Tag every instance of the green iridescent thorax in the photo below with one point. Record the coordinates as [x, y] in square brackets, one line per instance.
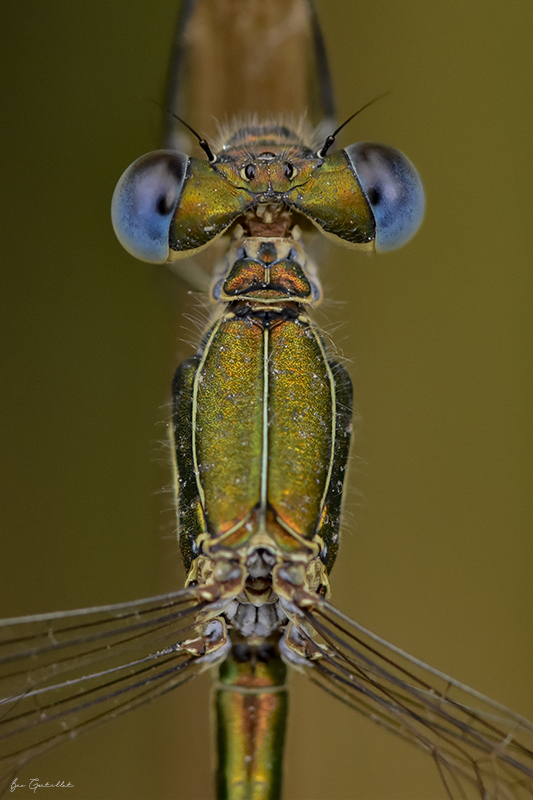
[262, 415]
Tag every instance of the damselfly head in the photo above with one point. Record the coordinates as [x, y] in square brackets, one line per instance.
[168, 205]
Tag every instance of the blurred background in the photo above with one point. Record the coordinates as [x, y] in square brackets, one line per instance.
[437, 551]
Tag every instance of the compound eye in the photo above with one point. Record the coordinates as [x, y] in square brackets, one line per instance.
[144, 203]
[393, 189]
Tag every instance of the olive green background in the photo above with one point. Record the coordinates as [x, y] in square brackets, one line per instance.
[437, 551]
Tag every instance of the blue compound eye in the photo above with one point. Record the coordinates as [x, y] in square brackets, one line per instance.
[144, 202]
[393, 189]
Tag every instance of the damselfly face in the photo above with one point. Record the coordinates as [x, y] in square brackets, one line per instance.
[435, 552]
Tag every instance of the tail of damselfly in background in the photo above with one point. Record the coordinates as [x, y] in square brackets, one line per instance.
[239, 60]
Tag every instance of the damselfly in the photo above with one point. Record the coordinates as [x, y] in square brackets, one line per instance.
[428, 267]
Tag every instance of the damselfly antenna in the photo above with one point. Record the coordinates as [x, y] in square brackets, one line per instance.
[331, 138]
[204, 144]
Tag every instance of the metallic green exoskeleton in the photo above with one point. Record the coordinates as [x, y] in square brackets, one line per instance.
[262, 415]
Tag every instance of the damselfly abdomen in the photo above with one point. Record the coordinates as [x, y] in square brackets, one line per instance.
[389, 323]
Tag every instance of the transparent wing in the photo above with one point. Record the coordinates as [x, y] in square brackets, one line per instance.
[480, 748]
[66, 672]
